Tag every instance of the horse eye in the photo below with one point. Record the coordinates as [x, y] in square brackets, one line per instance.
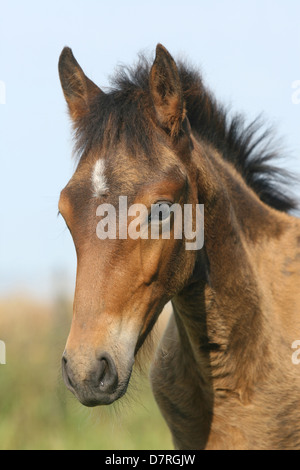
[159, 212]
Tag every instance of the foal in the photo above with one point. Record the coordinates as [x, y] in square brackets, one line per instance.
[223, 374]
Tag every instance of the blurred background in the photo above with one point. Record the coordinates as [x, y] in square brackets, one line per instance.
[249, 55]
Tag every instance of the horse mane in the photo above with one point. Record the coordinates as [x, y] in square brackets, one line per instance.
[247, 147]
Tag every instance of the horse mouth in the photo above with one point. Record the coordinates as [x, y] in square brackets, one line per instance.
[94, 398]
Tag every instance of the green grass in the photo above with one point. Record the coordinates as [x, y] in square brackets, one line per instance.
[36, 410]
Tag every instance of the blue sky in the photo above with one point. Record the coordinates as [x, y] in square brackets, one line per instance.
[249, 54]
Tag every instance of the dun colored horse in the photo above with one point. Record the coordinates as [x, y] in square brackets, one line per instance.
[223, 375]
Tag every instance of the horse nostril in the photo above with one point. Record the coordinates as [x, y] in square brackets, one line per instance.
[103, 371]
[65, 373]
[107, 375]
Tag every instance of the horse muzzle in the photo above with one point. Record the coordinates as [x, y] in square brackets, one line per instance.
[95, 382]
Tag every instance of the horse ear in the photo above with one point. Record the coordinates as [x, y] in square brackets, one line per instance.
[166, 91]
[78, 89]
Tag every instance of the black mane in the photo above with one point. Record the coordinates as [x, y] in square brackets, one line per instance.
[246, 147]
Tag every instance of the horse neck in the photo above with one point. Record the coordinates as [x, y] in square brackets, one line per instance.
[220, 314]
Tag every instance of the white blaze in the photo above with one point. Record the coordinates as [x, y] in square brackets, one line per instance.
[98, 179]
